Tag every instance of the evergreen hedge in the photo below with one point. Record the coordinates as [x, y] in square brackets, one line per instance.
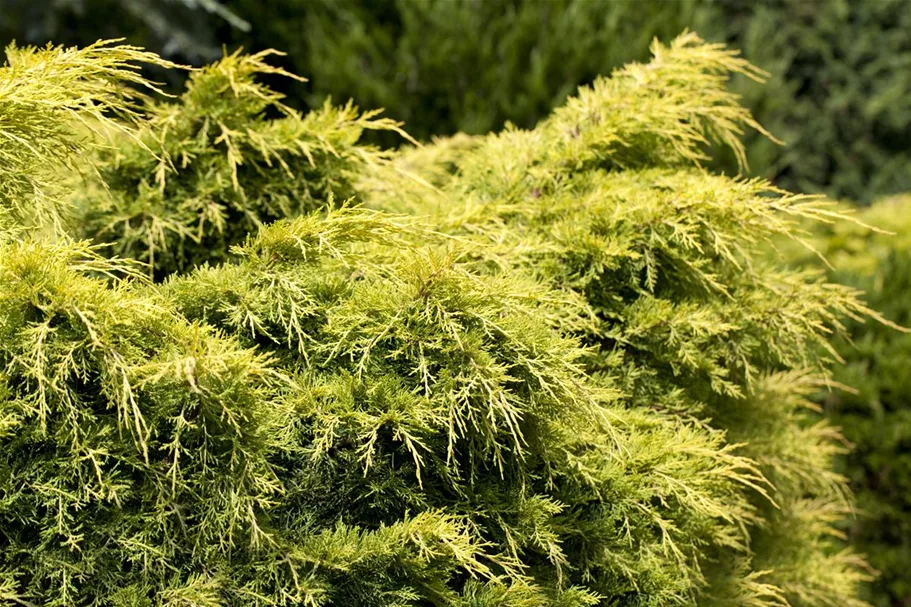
[546, 367]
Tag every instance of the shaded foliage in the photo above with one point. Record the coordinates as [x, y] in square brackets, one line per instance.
[834, 98]
[875, 413]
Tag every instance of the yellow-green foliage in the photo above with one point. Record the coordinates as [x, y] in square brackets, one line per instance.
[573, 381]
[133, 443]
[424, 386]
[605, 199]
[44, 95]
[224, 159]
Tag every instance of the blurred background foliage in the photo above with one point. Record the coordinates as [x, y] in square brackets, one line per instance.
[840, 69]
[838, 90]
[876, 414]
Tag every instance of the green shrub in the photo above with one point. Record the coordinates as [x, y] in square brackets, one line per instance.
[134, 444]
[572, 381]
[427, 388]
[874, 412]
[602, 200]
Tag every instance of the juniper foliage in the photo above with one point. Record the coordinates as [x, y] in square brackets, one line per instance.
[223, 160]
[606, 199]
[134, 446]
[572, 381]
[44, 94]
[425, 387]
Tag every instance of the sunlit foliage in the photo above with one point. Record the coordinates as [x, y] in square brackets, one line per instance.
[547, 367]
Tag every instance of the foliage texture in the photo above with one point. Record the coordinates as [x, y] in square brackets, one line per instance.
[548, 367]
[201, 173]
[45, 94]
[605, 199]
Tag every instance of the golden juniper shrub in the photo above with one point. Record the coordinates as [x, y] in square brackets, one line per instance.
[423, 386]
[606, 199]
[573, 381]
[225, 158]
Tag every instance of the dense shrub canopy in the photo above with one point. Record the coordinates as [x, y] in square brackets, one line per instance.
[134, 444]
[426, 387]
[690, 319]
[571, 377]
